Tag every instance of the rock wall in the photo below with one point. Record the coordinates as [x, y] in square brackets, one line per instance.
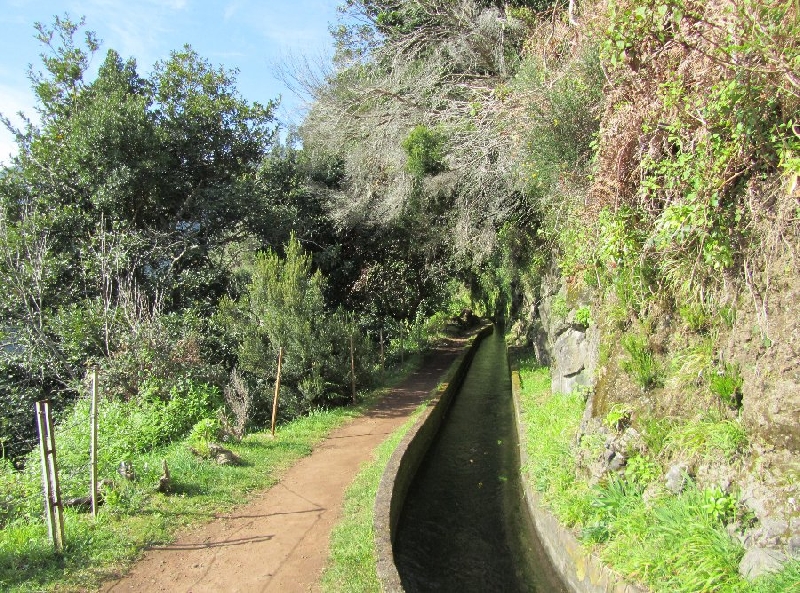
[765, 343]
[762, 342]
[560, 337]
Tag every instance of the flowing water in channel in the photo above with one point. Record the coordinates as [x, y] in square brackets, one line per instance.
[463, 527]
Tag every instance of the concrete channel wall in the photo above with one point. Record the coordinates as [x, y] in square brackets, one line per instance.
[407, 458]
[581, 571]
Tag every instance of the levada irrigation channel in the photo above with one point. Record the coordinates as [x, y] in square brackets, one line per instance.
[463, 526]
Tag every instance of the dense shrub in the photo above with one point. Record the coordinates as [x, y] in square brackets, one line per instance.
[129, 428]
[698, 139]
[425, 150]
[283, 307]
[126, 429]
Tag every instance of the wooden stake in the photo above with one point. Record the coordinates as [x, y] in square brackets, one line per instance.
[53, 507]
[402, 345]
[93, 444]
[47, 483]
[277, 388]
[353, 367]
[383, 360]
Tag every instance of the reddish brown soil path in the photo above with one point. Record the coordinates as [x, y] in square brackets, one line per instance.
[279, 541]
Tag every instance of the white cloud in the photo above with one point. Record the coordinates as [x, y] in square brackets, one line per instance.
[12, 101]
[139, 29]
[304, 26]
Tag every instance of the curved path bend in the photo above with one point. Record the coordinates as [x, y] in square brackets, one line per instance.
[279, 540]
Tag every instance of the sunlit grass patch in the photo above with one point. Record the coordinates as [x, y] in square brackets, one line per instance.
[670, 543]
[674, 545]
[707, 436]
[135, 516]
[551, 423]
[352, 559]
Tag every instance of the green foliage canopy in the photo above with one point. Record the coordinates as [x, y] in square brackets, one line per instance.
[283, 306]
[119, 206]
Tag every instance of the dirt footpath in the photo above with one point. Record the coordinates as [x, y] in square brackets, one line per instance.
[279, 541]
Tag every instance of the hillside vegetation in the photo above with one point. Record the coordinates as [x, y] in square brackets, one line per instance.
[618, 179]
[623, 175]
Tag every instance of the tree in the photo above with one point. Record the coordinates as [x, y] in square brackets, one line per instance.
[120, 204]
[409, 66]
[283, 306]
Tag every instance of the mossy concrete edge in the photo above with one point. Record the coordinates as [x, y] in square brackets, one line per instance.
[580, 570]
[406, 459]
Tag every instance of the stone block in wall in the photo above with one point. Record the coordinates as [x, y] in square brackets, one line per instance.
[537, 336]
[574, 360]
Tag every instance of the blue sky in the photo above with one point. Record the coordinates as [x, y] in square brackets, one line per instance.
[250, 35]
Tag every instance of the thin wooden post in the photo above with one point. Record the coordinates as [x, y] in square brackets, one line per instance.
[402, 345]
[277, 388]
[53, 507]
[93, 444]
[383, 360]
[353, 367]
[47, 483]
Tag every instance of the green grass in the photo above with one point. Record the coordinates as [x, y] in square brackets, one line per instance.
[551, 422]
[707, 437]
[786, 580]
[352, 558]
[138, 517]
[641, 364]
[671, 543]
[135, 516]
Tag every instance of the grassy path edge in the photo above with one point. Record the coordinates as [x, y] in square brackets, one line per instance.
[139, 518]
[354, 558]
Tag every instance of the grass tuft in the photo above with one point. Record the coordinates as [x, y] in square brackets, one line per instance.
[352, 558]
[641, 364]
[669, 543]
[786, 580]
[674, 545]
[707, 437]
